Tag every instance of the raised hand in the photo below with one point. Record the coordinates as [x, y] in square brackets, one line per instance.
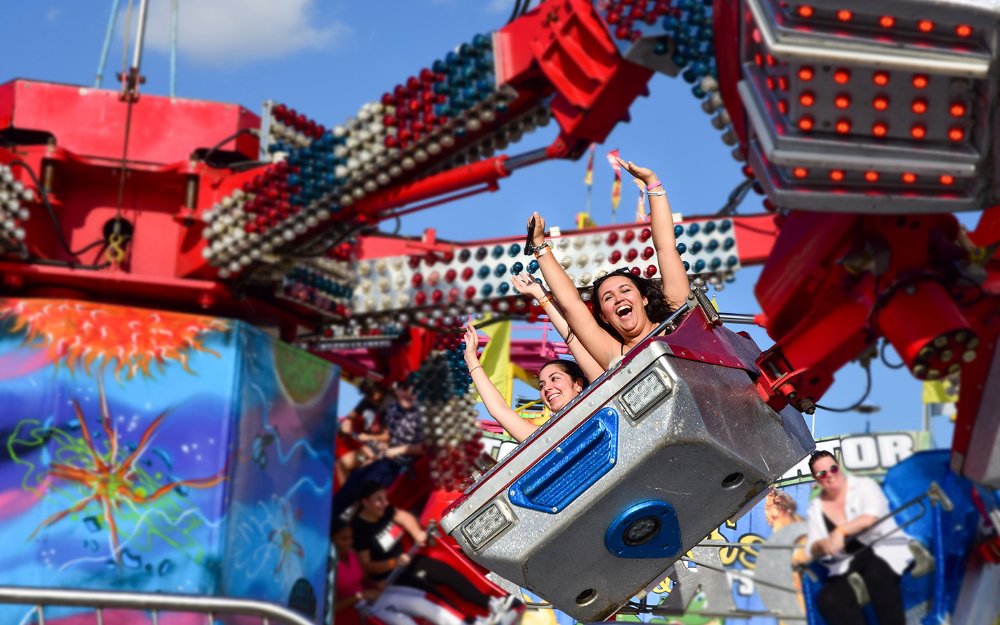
[471, 345]
[642, 173]
[538, 231]
[524, 284]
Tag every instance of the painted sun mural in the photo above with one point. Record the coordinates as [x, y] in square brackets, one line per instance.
[127, 459]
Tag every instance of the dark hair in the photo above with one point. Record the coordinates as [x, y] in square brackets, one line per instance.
[369, 488]
[367, 387]
[656, 307]
[337, 525]
[816, 455]
[570, 368]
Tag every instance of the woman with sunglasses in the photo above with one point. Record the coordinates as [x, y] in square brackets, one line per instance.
[626, 307]
[845, 535]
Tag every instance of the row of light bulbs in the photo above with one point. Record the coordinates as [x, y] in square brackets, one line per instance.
[15, 197]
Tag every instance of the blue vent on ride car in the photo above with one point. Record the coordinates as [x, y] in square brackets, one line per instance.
[572, 467]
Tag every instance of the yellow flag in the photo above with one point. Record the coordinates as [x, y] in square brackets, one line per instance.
[496, 359]
[583, 221]
[588, 178]
[938, 393]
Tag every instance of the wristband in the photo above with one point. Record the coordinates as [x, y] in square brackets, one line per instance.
[542, 250]
[654, 186]
[662, 193]
[546, 299]
[474, 368]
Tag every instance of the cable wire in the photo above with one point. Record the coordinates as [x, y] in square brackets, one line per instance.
[516, 12]
[885, 361]
[736, 197]
[857, 404]
[207, 158]
[56, 222]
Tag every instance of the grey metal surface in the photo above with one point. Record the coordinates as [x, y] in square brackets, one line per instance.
[794, 44]
[711, 426]
[151, 602]
[955, 71]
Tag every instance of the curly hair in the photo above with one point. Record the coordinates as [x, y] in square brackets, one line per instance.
[783, 502]
[656, 306]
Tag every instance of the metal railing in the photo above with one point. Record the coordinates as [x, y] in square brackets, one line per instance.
[153, 603]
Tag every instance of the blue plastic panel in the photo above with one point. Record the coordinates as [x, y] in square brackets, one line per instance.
[572, 467]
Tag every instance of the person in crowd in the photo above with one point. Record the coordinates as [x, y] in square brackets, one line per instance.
[349, 588]
[404, 423]
[558, 380]
[526, 285]
[847, 533]
[780, 510]
[626, 307]
[378, 530]
[362, 431]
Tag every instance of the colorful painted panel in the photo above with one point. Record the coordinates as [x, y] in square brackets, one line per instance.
[153, 451]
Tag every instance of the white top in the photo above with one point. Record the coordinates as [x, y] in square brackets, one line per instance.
[864, 496]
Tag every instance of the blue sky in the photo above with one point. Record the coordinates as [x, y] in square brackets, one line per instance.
[327, 58]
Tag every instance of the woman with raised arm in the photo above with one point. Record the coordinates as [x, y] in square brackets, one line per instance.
[527, 285]
[558, 380]
[626, 307]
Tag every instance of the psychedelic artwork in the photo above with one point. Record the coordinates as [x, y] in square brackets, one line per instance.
[159, 452]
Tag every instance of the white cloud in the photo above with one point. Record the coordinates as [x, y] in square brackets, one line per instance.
[230, 32]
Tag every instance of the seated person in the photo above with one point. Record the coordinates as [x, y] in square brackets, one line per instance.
[378, 530]
[558, 380]
[362, 430]
[349, 587]
[404, 423]
[626, 307]
[842, 536]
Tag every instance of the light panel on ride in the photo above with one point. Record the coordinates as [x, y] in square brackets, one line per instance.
[871, 106]
[656, 454]
[14, 201]
[478, 275]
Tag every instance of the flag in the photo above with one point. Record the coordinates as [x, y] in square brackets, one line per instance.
[583, 221]
[939, 393]
[616, 186]
[496, 359]
[588, 179]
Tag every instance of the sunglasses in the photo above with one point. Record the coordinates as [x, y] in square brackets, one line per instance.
[833, 470]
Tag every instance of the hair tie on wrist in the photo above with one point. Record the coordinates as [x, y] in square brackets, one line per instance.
[654, 186]
[474, 368]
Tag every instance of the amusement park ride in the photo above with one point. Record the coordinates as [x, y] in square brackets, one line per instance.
[867, 124]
